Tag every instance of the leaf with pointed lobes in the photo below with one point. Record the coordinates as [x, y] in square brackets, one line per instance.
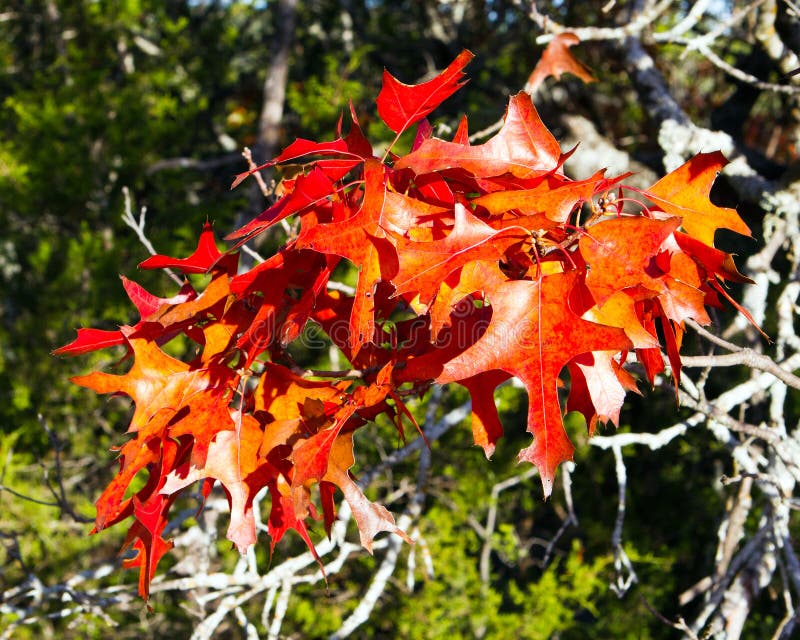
[145, 450]
[371, 518]
[205, 256]
[144, 537]
[424, 265]
[171, 398]
[213, 299]
[232, 459]
[533, 334]
[147, 304]
[155, 381]
[348, 151]
[712, 260]
[424, 131]
[633, 253]
[309, 190]
[89, 340]
[598, 387]
[619, 310]
[282, 517]
[620, 252]
[486, 426]
[281, 394]
[523, 147]
[685, 193]
[311, 455]
[556, 60]
[149, 509]
[362, 239]
[401, 105]
[555, 199]
[455, 297]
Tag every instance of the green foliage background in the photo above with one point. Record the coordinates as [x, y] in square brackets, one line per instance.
[92, 95]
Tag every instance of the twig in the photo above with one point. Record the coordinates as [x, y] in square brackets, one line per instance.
[247, 154]
[281, 606]
[376, 588]
[571, 518]
[679, 623]
[452, 418]
[621, 561]
[747, 78]
[138, 227]
[193, 163]
[27, 498]
[61, 495]
[720, 342]
[651, 440]
[252, 253]
[748, 358]
[491, 519]
[634, 26]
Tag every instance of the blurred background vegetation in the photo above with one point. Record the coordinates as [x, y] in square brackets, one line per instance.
[159, 97]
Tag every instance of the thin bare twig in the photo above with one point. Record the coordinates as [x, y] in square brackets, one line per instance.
[138, 227]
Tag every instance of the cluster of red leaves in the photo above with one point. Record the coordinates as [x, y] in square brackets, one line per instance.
[476, 263]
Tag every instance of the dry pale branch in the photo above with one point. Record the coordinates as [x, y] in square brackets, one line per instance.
[138, 226]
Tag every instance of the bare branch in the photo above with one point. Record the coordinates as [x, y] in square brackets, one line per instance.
[194, 163]
[748, 358]
[138, 227]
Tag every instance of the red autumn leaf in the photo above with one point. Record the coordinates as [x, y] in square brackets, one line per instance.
[486, 426]
[147, 304]
[533, 334]
[282, 517]
[620, 252]
[149, 510]
[371, 518]
[630, 253]
[349, 151]
[713, 260]
[477, 277]
[523, 147]
[204, 257]
[311, 455]
[308, 191]
[685, 193]
[619, 310]
[362, 240]
[556, 60]
[232, 460]
[145, 538]
[163, 389]
[424, 265]
[401, 105]
[555, 202]
[156, 381]
[598, 387]
[89, 340]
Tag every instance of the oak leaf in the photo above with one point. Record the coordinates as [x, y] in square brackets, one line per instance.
[533, 334]
[523, 147]
[685, 193]
[556, 60]
[401, 105]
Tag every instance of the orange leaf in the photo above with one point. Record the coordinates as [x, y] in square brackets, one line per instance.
[523, 147]
[558, 59]
[533, 334]
[423, 265]
[685, 193]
